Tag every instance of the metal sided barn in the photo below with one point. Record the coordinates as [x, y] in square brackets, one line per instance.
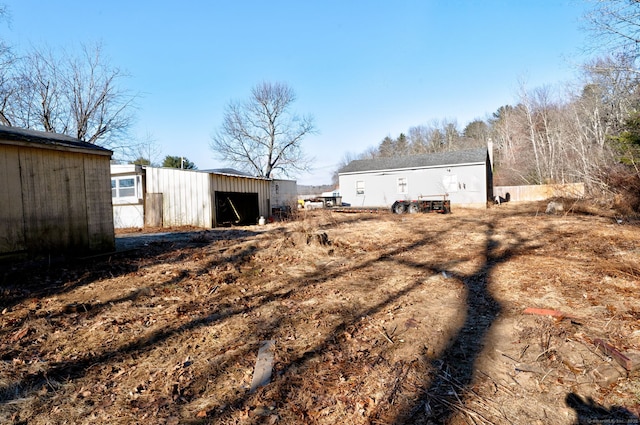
[176, 197]
[54, 194]
[465, 177]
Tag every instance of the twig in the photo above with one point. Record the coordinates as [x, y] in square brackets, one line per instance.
[605, 326]
[546, 374]
[524, 350]
[544, 352]
[383, 332]
[509, 357]
[498, 384]
[460, 408]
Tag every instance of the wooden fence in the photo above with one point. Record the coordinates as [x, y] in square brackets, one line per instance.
[539, 192]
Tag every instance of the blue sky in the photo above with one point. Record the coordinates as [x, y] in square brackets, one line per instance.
[363, 69]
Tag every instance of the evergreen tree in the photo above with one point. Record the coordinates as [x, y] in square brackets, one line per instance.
[178, 162]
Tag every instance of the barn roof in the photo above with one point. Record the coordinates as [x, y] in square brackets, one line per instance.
[24, 137]
[439, 159]
[228, 171]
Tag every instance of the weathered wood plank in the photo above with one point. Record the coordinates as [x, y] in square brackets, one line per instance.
[12, 237]
[99, 206]
[264, 365]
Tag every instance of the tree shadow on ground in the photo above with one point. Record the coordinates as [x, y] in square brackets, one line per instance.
[453, 370]
[43, 276]
[591, 413]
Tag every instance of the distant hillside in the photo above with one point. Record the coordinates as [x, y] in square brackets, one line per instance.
[314, 190]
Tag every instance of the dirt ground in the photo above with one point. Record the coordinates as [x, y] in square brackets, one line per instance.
[374, 318]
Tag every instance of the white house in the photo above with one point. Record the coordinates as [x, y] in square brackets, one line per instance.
[464, 177]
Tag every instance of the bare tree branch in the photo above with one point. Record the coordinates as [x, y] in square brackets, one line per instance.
[75, 95]
[262, 134]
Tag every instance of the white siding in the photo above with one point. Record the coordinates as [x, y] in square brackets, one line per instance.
[128, 216]
[186, 196]
[189, 195]
[284, 193]
[464, 185]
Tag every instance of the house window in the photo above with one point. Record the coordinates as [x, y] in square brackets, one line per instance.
[450, 183]
[123, 187]
[360, 187]
[402, 185]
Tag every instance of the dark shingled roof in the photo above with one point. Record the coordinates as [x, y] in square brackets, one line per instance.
[417, 161]
[47, 139]
[230, 171]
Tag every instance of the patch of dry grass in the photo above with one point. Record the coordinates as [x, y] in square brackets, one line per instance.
[377, 319]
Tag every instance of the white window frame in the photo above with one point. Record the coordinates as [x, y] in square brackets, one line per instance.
[403, 185]
[450, 183]
[131, 193]
[359, 187]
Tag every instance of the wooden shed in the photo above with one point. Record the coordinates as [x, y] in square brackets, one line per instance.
[207, 199]
[55, 194]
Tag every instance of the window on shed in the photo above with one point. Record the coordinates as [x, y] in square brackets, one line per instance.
[450, 183]
[124, 187]
[360, 187]
[127, 187]
[402, 185]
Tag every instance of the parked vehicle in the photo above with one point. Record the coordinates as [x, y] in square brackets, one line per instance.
[422, 204]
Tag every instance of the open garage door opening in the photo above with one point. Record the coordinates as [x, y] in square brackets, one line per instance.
[235, 208]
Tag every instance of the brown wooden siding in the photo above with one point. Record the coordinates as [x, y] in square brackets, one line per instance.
[12, 235]
[100, 226]
[64, 200]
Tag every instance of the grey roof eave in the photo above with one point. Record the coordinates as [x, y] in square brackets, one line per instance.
[387, 170]
[32, 138]
[423, 161]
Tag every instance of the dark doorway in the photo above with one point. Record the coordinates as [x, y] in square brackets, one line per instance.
[236, 208]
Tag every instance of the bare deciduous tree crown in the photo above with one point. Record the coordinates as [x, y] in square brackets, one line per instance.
[262, 134]
[78, 95]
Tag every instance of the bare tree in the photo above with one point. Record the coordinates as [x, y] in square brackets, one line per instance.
[145, 152]
[615, 26]
[7, 79]
[262, 134]
[8, 86]
[418, 139]
[39, 100]
[347, 158]
[75, 95]
[100, 109]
